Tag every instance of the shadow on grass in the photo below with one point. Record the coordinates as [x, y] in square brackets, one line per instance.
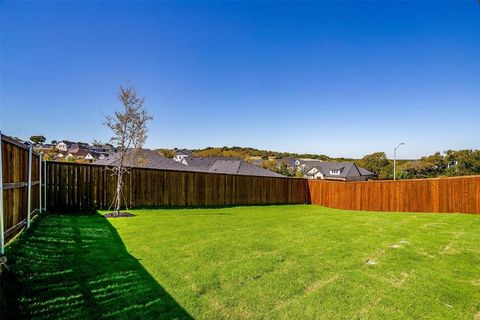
[77, 267]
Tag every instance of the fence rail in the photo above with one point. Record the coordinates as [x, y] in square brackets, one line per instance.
[458, 194]
[72, 186]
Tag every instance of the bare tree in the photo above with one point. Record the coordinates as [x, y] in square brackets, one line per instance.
[129, 127]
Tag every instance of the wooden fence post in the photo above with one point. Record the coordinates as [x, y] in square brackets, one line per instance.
[29, 203]
[2, 236]
[40, 182]
[45, 186]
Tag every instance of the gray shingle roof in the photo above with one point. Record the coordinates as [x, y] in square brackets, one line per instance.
[251, 170]
[289, 161]
[225, 165]
[309, 164]
[228, 165]
[203, 163]
[347, 169]
[365, 172]
[146, 158]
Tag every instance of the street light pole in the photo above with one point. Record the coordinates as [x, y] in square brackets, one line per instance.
[395, 160]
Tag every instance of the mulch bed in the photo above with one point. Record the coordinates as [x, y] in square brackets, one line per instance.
[119, 215]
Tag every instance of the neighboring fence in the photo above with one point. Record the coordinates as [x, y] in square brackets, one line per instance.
[72, 186]
[16, 189]
[458, 194]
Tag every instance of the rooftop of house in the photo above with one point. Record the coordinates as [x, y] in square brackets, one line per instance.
[338, 169]
[183, 152]
[225, 166]
[204, 163]
[66, 142]
[365, 172]
[82, 153]
[252, 170]
[145, 158]
[241, 167]
[290, 162]
[153, 159]
[309, 164]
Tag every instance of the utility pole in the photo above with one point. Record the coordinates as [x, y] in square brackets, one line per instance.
[395, 160]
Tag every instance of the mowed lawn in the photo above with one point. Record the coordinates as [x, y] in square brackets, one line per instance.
[272, 262]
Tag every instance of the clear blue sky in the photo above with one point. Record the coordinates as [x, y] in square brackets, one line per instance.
[337, 78]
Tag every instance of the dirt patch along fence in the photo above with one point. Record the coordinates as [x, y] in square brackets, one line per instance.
[72, 186]
[20, 192]
[457, 194]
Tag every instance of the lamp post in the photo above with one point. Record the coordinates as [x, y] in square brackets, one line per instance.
[395, 160]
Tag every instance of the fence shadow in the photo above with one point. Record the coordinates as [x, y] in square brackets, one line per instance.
[77, 267]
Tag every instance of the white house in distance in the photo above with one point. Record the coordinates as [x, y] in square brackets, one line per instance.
[181, 155]
[343, 171]
[77, 151]
[81, 154]
[326, 170]
[62, 146]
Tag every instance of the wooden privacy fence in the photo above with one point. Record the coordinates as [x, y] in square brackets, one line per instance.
[458, 194]
[20, 192]
[73, 186]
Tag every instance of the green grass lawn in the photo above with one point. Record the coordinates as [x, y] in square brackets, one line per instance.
[273, 262]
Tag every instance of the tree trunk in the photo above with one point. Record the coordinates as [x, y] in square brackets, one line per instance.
[118, 193]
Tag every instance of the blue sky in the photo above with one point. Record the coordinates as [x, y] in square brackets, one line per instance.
[337, 78]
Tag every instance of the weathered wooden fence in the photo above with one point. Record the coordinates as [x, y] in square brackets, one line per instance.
[72, 186]
[16, 188]
[458, 194]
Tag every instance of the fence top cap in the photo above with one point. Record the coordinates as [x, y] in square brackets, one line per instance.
[24, 145]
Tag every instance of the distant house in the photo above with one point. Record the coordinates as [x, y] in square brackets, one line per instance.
[44, 147]
[60, 155]
[304, 165]
[62, 146]
[226, 165]
[242, 168]
[73, 148]
[144, 158]
[103, 148]
[298, 164]
[86, 154]
[343, 171]
[80, 154]
[83, 145]
[181, 154]
[153, 159]
[289, 162]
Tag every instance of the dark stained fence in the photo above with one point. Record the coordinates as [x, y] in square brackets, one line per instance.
[15, 185]
[72, 186]
[456, 195]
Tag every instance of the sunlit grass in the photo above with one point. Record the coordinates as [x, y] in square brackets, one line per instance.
[277, 262]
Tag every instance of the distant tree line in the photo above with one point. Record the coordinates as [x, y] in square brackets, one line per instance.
[246, 153]
[449, 163]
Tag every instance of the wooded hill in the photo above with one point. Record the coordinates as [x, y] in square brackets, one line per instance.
[248, 153]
